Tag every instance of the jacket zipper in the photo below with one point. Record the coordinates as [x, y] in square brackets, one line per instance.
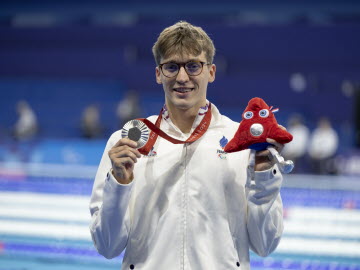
[184, 206]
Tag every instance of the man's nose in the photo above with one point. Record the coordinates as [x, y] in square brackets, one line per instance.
[182, 75]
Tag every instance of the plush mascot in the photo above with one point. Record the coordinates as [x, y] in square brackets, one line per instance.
[258, 123]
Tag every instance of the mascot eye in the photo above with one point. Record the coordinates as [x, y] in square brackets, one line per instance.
[248, 115]
[264, 113]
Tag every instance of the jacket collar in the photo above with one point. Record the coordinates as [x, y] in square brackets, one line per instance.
[170, 128]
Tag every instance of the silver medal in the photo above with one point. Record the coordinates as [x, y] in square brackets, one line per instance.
[136, 131]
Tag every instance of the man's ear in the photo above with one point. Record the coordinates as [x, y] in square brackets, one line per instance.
[212, 73]
[158, 75]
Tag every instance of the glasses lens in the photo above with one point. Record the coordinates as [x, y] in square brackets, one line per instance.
[193, 68]
[170, 69]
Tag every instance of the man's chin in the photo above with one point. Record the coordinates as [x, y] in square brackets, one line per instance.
[180, 103]
[183, 104]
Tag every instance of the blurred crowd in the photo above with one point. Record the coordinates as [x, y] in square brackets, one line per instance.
[312, 151]
[26, 127]
[127, 109]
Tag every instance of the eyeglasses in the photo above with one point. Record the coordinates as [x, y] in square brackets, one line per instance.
[192, 68]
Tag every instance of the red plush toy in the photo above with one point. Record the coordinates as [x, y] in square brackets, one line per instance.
[258, 124]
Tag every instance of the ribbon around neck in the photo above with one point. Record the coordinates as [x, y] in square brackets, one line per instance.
[156, 131]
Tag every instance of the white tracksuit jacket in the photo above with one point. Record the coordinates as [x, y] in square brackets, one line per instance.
[190, 206]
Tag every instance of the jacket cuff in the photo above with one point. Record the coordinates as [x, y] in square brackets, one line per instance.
[265, 187]
[267, 174]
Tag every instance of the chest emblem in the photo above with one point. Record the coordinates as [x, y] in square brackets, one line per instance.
[220, 152]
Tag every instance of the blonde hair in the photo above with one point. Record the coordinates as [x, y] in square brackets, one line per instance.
[183, 38]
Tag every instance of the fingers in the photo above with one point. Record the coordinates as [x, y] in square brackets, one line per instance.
[126, 141]
[121, 165]
[123, 156]
[263, 156]
[123, 170]
[275, 143]
[125, 144]
[278, 146]
[263, 161]
[123, 151]
[282, 127]
[263, 153]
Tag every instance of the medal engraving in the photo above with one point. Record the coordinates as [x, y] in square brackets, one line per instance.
[136, 131]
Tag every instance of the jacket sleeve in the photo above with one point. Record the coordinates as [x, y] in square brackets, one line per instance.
[109, 226]
[264, 211]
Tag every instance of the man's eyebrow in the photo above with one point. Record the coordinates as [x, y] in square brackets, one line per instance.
[190, 60]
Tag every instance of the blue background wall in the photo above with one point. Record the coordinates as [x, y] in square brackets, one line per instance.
[61, 70]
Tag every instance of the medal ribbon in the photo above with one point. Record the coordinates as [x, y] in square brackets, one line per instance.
[156, 131]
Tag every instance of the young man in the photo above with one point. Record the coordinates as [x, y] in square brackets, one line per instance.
[185, 206]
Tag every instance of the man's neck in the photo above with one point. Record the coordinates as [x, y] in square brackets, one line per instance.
[183, 119]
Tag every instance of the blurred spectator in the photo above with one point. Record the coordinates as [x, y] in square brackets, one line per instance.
[128, 108]
[26, 126]
[90, 123]
[323, 146]
[296, 149]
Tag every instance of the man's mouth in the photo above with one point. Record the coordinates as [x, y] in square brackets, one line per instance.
[183, 89]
